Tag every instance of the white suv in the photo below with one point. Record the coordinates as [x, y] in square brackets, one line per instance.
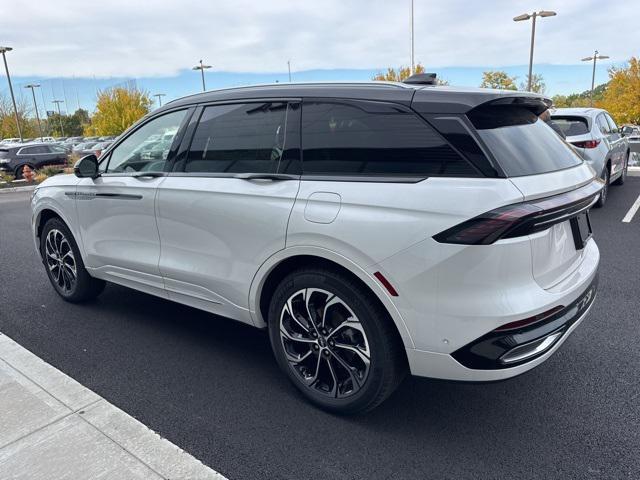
[374, 229]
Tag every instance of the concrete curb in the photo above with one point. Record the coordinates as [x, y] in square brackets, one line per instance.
[52, 427]
[28, 188]
[633, 171]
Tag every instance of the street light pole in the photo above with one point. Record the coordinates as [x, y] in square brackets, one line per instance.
[533, 16]
[289, 68]
[4, 50]
[33, 86]
[202, 68]
[159, 95]
[412, 42]
[58, 102]
[593, 73]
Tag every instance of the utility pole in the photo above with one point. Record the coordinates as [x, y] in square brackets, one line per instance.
[159, 95]
[33, 86]
[532, 16]
[202, 67]
[58, 102]
[593, 73]
[4, 50]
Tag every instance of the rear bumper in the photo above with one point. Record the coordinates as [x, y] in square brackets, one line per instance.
[504, 349]
[444, 366]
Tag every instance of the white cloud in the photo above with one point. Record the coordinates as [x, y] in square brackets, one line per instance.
[133, 39]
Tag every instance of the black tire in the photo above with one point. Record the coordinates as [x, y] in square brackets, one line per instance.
[84, 287]
[623, 176]
[388, 364]
[605, 190]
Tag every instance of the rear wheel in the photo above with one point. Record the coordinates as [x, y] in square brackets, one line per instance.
[65, 269]
[623, 176]
[334, 341]
[605, 190]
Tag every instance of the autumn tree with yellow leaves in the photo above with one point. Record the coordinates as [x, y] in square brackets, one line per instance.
[622, 95]
[402, 73]
[117, 109]
[498, 79]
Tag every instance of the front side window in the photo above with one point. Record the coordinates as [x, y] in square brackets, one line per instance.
[612, 124]
[147, 149]
[244, 138]
[374, 139]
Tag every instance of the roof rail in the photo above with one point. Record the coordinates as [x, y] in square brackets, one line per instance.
[421, 79]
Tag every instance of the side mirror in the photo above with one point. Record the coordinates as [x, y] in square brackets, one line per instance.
[86, 167]
[626, 131]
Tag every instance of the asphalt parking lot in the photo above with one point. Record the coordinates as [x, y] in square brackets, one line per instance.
[210, 385]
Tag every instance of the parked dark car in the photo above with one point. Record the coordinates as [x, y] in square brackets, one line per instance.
[95, 148]
[13, 158]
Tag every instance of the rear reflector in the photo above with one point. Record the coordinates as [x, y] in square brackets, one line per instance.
[522, 219]
[587, 144]
[529, 321]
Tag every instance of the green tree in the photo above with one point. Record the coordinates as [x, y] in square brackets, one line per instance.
[8, 126]
[73, 125]
[580, 99]
[498, 79]
[117, 109]
[537, 83]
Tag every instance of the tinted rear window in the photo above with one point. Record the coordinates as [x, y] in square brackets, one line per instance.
[521, 142]
[572, 126]
[362, 138]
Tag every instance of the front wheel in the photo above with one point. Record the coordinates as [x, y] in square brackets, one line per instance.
[65, 269]
[334, 341]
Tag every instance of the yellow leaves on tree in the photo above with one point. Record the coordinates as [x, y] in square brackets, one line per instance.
[402, 73]
[117, 109]
[498, 79]
[622, 96]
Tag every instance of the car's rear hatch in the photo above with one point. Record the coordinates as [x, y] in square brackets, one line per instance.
[550, 175]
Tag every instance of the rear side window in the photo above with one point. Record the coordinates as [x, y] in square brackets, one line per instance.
[245, 138]
[34, 150]
[603, 125]
[373, 139]
[521, 142]
[572, 126]
[4, 153]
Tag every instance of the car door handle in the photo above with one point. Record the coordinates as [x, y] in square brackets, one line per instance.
[148, 174]
[265, 176]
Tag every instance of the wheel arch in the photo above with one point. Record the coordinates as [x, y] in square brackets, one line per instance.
[279, 265]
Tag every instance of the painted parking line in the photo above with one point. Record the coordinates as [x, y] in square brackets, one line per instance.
[52, 427]
[632, 211]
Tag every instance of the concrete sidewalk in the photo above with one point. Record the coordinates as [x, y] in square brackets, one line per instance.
[51, 427]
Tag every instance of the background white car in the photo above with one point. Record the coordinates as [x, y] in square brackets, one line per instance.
[599, 141]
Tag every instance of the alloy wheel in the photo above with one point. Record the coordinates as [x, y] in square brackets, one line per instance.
[324, 343]
[60, 261]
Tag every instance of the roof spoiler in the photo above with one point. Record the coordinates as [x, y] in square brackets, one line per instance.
[421, 79]
[536, 104]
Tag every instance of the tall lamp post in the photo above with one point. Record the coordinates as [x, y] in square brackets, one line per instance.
[58, 102]
[159, 95]
[202, 67]
[289, 68]
[593, 74]
[4, 50]
[533, 16]
[413, 64]
[33, 86]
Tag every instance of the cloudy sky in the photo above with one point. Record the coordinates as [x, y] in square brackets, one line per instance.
[158, 41]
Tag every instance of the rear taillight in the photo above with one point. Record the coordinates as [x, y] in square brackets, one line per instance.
[522, 219]
[587, 144]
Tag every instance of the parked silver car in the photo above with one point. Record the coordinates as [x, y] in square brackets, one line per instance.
[598, 140]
